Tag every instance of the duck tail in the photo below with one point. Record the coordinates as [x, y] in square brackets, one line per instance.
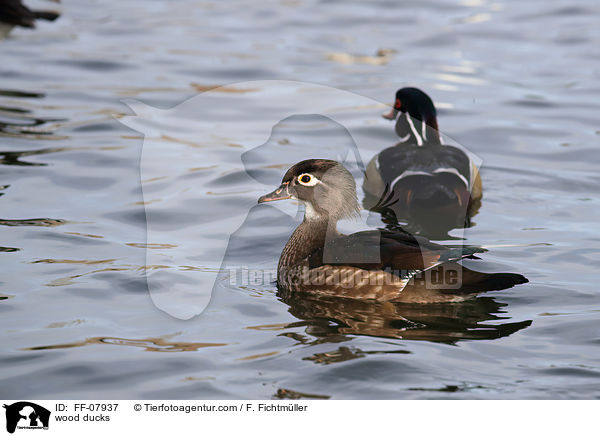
[476, 282]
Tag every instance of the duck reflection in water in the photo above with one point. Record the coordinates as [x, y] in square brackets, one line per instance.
[429, 187]
[333, 320]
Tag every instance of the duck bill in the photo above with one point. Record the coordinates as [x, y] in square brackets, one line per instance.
[281, 193]
[391, 115]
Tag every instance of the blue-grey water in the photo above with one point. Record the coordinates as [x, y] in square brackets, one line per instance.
[515, 83]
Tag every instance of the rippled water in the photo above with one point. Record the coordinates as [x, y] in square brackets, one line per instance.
[517, 84]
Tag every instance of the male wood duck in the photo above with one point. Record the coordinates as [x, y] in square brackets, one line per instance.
[419, 177]
[15, 13]
[377, 265]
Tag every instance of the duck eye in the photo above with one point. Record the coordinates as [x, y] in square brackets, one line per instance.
[307, 180]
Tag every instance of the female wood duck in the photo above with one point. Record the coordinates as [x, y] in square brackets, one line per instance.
[376, 265]
[15, 13]
[445, 322]
[419, 177]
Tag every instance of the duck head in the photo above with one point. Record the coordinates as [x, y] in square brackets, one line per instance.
[326, 188]
[420, 115]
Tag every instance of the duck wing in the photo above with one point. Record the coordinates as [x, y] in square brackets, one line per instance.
[399, 253]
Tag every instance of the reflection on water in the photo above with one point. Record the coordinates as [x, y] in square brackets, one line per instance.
[20, 122]
[332, 318]
[9, 249]
[294, 395]
[343, 354]
[14, 157]
[23, 126]
[20, 94]
[41, 222]
[149, 344]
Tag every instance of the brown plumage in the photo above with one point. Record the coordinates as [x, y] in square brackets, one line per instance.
[378, 264]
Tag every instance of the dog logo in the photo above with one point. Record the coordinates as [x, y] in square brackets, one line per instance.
[26, 415]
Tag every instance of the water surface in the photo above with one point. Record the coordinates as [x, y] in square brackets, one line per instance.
[515, 84]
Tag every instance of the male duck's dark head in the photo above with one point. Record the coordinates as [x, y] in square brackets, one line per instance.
[326, 188]
[418, 119]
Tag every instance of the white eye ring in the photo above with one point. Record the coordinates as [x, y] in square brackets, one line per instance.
[307, 179]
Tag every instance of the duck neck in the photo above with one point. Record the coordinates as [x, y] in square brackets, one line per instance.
[309, 236]
[419, 130]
